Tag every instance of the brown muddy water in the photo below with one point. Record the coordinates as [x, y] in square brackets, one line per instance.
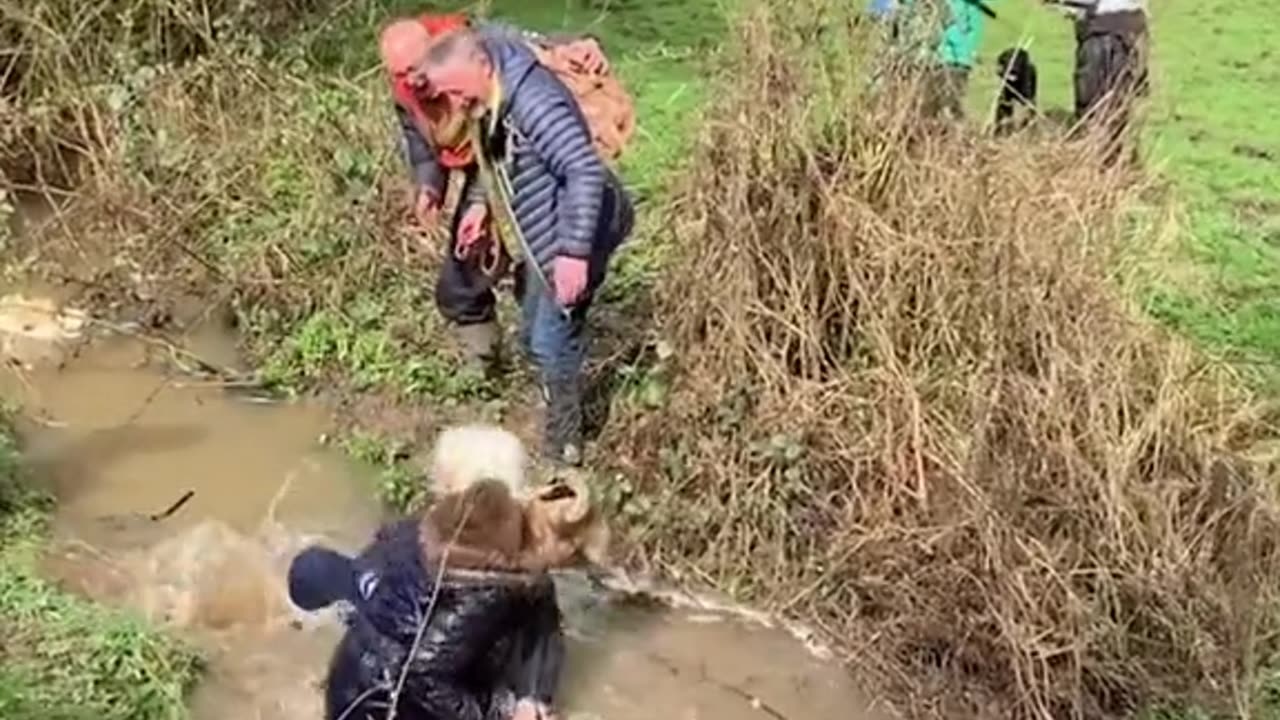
[184, 502]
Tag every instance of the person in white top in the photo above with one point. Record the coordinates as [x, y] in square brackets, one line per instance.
[1111, 63]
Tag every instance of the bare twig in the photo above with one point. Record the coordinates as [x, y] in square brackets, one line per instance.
[151, 396]
[281, 492]
[185, 360]
[175, 507]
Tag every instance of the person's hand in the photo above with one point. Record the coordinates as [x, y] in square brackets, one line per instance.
[530, 709]
[525, 710]
[570, 279]
[587, 56]
[471, 229]
[426, 207]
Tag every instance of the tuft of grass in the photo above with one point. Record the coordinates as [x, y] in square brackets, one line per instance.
[913, 405]
[400, 484]
[61, 63]
[62, 656]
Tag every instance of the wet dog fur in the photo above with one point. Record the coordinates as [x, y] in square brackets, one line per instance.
[480, 528]
[485, 527]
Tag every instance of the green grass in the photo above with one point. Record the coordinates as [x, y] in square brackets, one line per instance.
[63, 657]
[399, 482]
[1211, 134]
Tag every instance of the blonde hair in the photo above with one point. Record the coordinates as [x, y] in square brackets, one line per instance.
[469, 454]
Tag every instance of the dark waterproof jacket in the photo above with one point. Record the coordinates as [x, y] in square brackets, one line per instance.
[491, 638]
[566, 200]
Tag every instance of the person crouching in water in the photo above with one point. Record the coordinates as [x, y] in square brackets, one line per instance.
[455, 615]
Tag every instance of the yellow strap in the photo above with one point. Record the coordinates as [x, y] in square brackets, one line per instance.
[499, 191]
[504, 224]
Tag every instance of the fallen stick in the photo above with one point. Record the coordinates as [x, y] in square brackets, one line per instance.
[186, 497]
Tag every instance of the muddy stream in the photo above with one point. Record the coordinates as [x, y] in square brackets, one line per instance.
[184, 502]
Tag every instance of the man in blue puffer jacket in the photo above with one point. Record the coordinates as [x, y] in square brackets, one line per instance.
[560, 210]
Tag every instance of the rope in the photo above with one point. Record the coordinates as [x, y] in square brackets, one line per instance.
[499, 188]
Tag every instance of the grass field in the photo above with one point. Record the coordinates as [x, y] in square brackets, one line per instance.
[1210, 133]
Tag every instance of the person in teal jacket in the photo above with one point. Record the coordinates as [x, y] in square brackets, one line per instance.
[956, 51]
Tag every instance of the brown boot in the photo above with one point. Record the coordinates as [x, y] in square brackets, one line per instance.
[479, 343]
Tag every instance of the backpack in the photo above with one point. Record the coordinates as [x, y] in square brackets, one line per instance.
[606, 105]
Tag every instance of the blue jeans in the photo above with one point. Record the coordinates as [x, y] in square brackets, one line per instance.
[554, 337]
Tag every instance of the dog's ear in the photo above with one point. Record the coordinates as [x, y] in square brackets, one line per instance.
[1003, 59]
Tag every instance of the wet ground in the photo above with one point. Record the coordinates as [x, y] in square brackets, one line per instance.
[184, 502]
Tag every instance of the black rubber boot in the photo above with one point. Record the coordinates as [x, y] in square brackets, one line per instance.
[562, 438]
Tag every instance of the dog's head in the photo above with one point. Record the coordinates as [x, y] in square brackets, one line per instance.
[564, 526]
[1017, 75]
[1015, 62]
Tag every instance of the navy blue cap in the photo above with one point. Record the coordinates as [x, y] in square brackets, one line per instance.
[319, 577]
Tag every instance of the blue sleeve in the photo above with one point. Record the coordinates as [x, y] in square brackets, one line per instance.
[420, 156]
[545, 113]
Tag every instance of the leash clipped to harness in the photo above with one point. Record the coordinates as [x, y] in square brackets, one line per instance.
[489, 262]
[500, 191]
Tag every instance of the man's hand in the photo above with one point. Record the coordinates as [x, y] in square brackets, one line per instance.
[586, 55]
[530, 709]
[471, 229]
[526, 709]
[570, 279]
[426, 207]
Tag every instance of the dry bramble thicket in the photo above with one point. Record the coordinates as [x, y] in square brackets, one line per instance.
[914, 407]
[55, 56]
